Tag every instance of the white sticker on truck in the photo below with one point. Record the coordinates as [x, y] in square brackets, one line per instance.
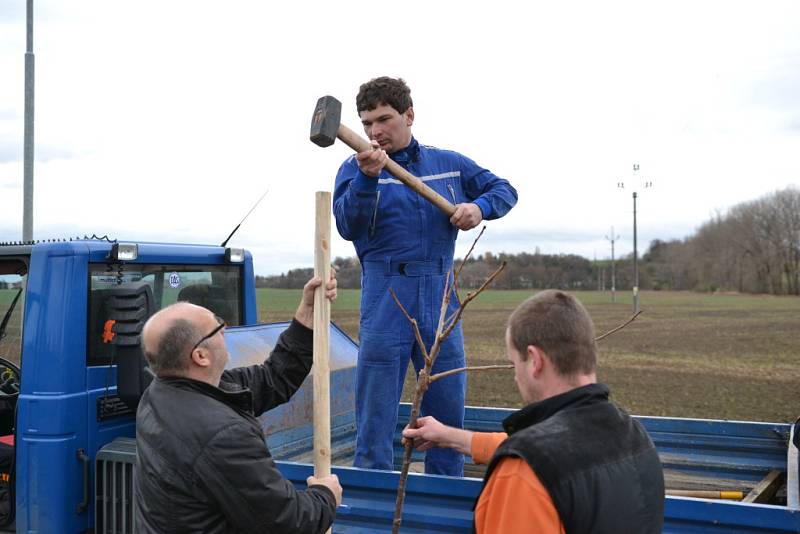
[174, 280]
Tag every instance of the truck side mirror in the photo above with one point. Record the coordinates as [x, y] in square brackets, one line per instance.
[129, 306]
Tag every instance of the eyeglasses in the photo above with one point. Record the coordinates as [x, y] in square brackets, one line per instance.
[211, 334]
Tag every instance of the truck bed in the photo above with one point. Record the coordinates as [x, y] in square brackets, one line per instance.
[697, 455]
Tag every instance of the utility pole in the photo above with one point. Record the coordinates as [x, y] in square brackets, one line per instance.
[613, 269]
[27, 203]
[635, 258]
[635, 250]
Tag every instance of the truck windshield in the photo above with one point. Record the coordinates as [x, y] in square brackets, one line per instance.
[216, 287]
[12, 302]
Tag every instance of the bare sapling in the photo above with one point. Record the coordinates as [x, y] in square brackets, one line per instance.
[425, 377]
[445, 327]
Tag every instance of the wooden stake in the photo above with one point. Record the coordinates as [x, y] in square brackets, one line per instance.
[322, 320]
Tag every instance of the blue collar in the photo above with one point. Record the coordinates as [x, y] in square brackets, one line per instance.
[409, 154]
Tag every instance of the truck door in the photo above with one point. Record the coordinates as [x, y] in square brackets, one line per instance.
[13, 277]
[216, 287]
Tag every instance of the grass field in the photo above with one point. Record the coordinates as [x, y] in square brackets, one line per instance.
[687, 355]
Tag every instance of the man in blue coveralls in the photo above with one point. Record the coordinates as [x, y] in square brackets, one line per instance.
[405, 243]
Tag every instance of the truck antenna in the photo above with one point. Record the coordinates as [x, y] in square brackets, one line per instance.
[245, 217]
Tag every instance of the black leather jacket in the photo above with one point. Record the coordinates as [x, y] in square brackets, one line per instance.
[202, 462]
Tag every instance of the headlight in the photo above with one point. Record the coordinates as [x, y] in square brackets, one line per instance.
[234, 255]
[124, 251]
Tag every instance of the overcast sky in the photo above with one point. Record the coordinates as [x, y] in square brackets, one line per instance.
[165, 121]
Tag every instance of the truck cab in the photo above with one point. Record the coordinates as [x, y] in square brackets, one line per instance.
[60, 355]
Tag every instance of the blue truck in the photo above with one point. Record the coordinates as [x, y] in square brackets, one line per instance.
[71, 373]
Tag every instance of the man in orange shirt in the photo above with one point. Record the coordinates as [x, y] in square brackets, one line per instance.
[570, 461]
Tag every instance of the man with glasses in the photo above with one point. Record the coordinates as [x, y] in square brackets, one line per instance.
[202, 463]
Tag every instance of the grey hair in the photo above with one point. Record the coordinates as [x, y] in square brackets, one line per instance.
[172, 352]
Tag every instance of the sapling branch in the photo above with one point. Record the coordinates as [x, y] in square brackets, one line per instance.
[414, 325]
[451, 372]
[443, 329]
[469, 252]
[620, 327]
[445, 374]
[452, 321]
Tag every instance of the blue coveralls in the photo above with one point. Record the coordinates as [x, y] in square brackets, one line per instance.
[405, 243]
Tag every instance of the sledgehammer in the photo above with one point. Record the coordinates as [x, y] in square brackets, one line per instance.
[326, 127]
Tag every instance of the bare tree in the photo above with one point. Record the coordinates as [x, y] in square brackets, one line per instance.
[425, 377]
[754, 247]
[445, 326]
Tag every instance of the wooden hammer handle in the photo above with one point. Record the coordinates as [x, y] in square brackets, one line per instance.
[359, 144]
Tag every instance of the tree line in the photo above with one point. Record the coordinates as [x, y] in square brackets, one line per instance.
[752, 248]
[523, 271]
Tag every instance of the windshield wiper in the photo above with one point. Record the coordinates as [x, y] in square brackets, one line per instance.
[7, 317]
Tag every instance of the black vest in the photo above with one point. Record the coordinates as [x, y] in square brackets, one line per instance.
[598, 464]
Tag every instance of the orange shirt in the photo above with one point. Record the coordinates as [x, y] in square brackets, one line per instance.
[514, 500]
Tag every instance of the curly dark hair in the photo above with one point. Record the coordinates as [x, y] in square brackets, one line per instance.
[384, 91]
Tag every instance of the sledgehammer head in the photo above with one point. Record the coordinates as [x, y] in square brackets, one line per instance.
[325, 121]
